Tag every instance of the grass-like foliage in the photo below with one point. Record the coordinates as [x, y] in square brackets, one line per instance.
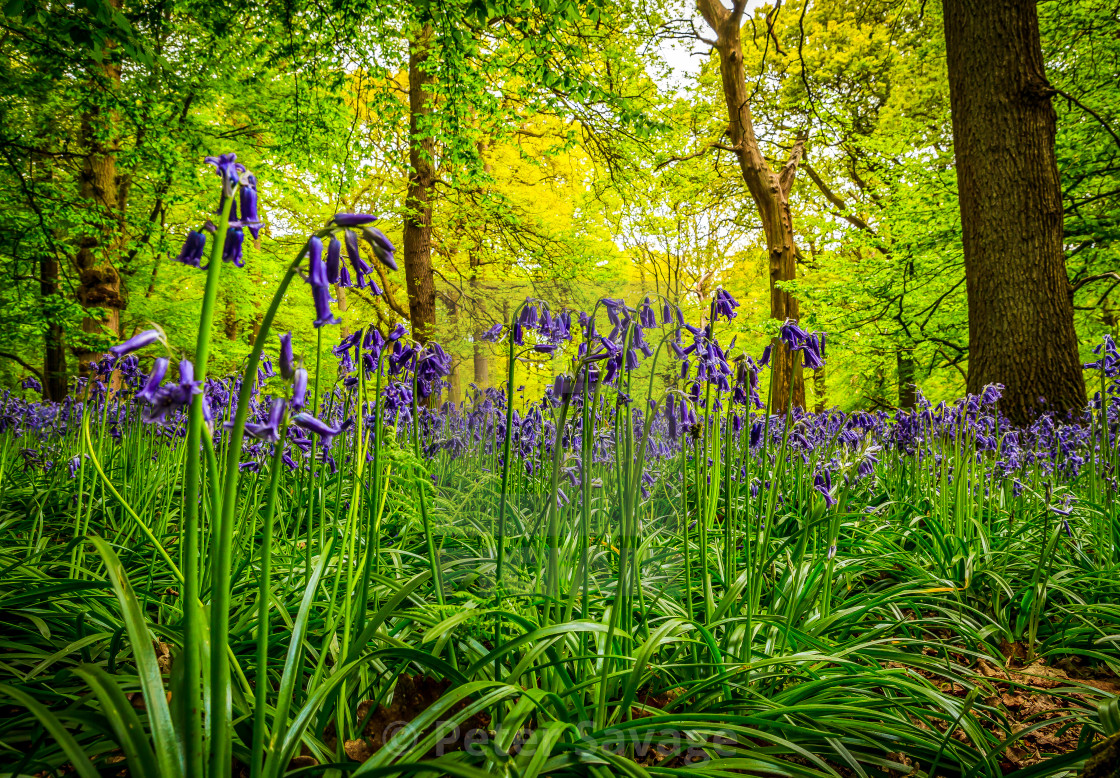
[641, 573]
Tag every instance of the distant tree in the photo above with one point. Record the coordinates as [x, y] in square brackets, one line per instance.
[1021, 331]
[769, 188]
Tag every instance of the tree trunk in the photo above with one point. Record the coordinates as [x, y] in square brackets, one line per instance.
[418, 205]
[343, 307]
[230, 323]
[99, 283]
[480, 353]
[820, 389]
[1020, 331]
[769, 190]
[907, 390]
[54, 347]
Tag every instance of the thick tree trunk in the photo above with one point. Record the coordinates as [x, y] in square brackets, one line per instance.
[99, 283]
[907, 390]
[769, 190]
[1021, 331]
[54, 347]
[418, 201]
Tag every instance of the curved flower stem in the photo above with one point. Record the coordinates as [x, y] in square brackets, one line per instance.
[505, 495]
[421, 491]
[372, 530]
[264, 592]
[221, 553]
[192, 588]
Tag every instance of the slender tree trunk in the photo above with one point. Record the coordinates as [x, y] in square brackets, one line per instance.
[99, 283]
[54, 347]
[418, 201]
[230, 323]
[820, 389]
[480, 353]
[455, 380]
[343, 306]
[481, 365]
[907, 390]
[1021, 331]
[769, 190]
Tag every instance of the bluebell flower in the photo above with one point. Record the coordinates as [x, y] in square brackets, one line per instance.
[232, 251]
[150, 392]
[334, 260]
[492, 335]
[357, 261]
[136, 342]
[326, 432]
[321, 296]
[645, 315]
[229, 169]
[398, 331]
[724, 305]
[353, 219]
[247, 194]
[194, 248]
[287, 359]
[382, 247]
[269, 430]
[299, 389]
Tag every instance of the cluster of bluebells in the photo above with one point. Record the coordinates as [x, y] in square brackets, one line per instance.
[324, 272]
[239, 195]
[387, 378]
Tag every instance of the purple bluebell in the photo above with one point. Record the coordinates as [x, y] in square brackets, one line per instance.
[232, 251]
[326, 432]
[382, 247]
[357, 261]
[270, 429]
[287, 359]
[194, 247]
[334, 260]
[229, 169]
[353, 219]
[150, 392]
[299, 389]
[135, 343]
[493, 335]
[247, 194]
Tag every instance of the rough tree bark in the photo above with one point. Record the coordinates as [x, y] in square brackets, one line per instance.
[99, 283]
[421, 180]
[480, 353]
[769, 189]
[1021, 331]
[54, 347]
[820, 389]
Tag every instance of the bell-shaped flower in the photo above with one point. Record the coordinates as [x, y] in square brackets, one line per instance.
[136, 342]
[326, 432]
[353, 219]
[299, 389]
[150, 391]
[247, 195]
[334, 259]
[193, 249]
[270, 429]
[382, 247]
[287, 359]
[357, 261]
[232, 251]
